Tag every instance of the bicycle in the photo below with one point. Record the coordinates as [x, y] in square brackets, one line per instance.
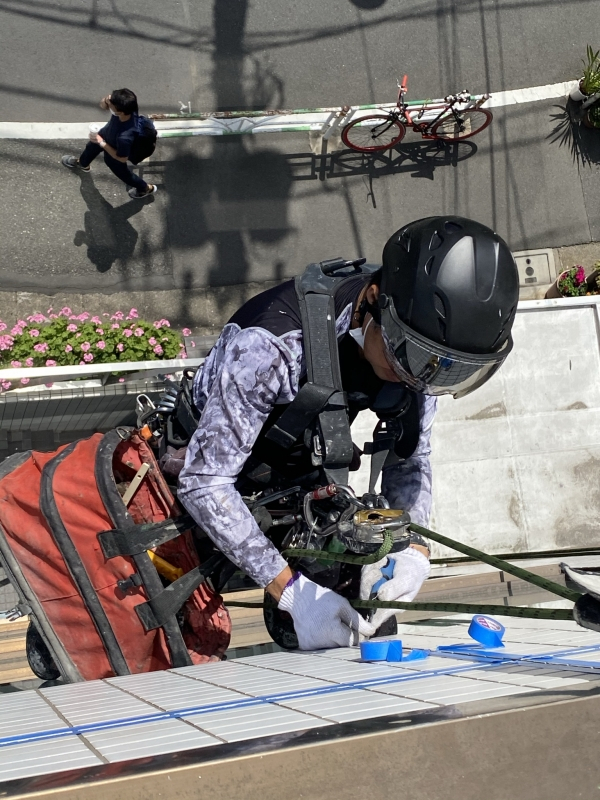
[455, 118]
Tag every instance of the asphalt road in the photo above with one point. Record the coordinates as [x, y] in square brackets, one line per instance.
[229, 212]
[58, 58]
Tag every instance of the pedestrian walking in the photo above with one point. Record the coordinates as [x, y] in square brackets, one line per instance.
[126, 137]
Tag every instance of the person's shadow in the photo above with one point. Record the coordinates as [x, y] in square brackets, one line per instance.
[108, 234]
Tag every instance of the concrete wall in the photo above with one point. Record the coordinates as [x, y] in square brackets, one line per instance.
[516, 465]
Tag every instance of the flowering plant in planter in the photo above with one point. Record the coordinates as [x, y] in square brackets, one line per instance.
[572, 282]
[67, 339]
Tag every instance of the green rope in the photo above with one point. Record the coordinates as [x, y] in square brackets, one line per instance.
[325, 555]
[449, 608]
[494, 561]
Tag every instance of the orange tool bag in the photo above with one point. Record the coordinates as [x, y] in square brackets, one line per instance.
[104, 562]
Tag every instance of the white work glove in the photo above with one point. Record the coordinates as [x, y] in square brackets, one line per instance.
[410, 570]
[321, 617]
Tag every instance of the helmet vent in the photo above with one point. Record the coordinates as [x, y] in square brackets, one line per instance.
[452, 227]
[429, 264]
[439, 306]
[436, 241]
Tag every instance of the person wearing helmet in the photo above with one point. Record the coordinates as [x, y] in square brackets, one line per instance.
[435, 318]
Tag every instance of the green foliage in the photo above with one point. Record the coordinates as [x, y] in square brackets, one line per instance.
[572, 282]
[593, 114]
[590, 82]
[66, 339]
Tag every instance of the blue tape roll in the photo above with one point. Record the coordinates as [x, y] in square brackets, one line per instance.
[374, 651]
[394, 652]
[486, 630]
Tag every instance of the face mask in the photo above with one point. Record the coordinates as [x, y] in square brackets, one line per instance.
[114, 113]
[359, 335]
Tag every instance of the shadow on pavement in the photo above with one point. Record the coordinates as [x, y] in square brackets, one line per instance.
[569, 131]
[108, 234]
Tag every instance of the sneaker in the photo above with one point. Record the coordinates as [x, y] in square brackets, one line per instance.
[73, 163]
[135, 195]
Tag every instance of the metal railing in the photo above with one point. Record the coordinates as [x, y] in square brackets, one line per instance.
[325, 121]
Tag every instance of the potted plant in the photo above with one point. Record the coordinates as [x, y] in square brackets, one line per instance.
[591, 117]
[570, 283]
[589, 83]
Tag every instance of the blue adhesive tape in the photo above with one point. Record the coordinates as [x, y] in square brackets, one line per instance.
[416, 655]
[486, 630]
[374, 651]
[394, 652]
[387, 573]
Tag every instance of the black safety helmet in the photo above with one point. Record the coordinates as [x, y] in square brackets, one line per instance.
[448, 296]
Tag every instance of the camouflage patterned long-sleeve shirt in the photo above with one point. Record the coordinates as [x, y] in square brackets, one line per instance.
[246, 374]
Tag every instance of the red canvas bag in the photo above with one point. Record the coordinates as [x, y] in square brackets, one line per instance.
[79, 560]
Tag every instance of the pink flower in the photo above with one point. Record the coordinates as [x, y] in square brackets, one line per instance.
[127, 332]
[6, 385]
[101, 345]
[118, 315]
[15, 363]
[182, 354]
[52, 316]
[88, 357]
[158, 350]
[68, 348]
[85, 346]
[50, 363]
[49, 310]
[121, 380]
[34, 332]
[3, 326]
[72, 327]
[6, 342]
[139, 331]
[17, 330]
[77, 335]
[105, 314]
[82, 317]
[186, 332]
[24, 381]
[82, 363]
[29, 362]
[152, 340]
[49, 385]
[162, 323]
[41, 347]
[96, 320]
[37, 318]
[100, 331]
[65, 312]
[133, 313]
[120, 347]
[115, 326]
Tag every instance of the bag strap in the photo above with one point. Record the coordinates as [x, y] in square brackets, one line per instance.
[322, 398]
[121, 519]
[76, 566]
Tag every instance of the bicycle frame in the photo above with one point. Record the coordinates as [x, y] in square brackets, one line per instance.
[421, 116]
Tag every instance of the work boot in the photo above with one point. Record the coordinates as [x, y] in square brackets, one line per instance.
[136, 195]
[73, 163]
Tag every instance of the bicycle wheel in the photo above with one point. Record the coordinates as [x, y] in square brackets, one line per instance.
[373, 134]
[462, 126]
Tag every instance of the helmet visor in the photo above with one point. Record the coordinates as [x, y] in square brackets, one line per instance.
[431, 368]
